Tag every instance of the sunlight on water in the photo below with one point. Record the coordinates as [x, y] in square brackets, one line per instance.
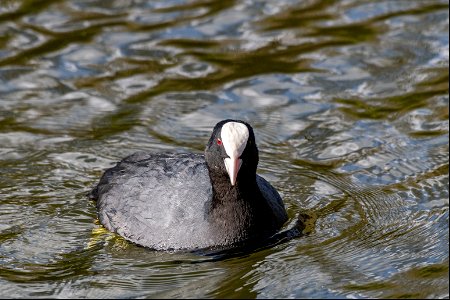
[350, 105]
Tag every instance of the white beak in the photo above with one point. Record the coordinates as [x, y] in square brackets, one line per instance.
[234, 137]
[233, 165]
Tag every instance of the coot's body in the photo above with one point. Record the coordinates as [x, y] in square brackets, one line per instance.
[190, 201]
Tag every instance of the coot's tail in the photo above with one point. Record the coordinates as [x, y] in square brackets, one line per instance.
[93, 194]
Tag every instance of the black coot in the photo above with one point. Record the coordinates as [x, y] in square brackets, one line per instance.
[190, 201]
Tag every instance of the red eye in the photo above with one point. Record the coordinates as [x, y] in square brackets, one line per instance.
[219, 142]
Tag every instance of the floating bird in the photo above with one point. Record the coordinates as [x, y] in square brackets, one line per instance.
[175, 201]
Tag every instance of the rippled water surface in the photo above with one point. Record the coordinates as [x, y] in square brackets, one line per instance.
[350, 104]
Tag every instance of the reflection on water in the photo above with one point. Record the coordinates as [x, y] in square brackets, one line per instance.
[350, 105]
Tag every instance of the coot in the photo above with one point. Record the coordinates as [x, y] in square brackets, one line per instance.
[191, 201]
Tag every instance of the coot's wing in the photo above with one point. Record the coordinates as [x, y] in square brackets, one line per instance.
[157, 200]
[273, 199]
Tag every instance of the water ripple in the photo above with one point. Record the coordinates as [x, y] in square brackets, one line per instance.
[348, 99]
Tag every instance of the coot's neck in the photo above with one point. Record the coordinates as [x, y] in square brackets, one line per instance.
[245, 191]
[239, 212]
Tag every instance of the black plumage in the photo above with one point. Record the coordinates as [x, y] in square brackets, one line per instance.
[186, 201]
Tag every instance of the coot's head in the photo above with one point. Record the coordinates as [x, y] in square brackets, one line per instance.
[232, 153]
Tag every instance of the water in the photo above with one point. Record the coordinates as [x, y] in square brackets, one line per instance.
[350, 105]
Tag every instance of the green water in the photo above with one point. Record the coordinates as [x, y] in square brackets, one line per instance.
[350, 105]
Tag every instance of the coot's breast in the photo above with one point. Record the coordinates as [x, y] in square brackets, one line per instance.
[158, 200]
